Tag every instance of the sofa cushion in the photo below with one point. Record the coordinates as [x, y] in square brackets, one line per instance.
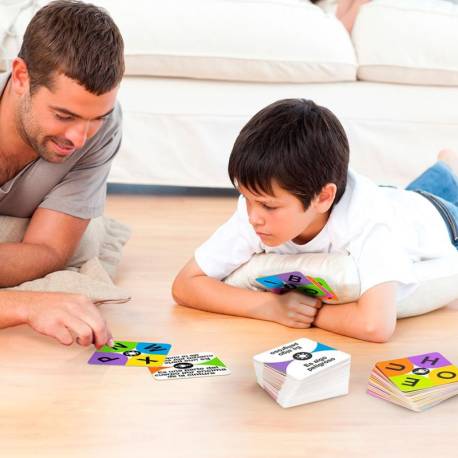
[437, 278]
[242, 40]
[408, 41]
[250, 40]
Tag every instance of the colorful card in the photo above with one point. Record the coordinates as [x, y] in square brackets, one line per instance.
[189, 366]
[311, 286]
[323, 284]
[125, 353]
[419, 372]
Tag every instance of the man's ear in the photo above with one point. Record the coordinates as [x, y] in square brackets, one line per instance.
[20, 77]
[324, 200]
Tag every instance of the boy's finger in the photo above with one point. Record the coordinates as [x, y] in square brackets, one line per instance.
[306, 310]
[301, 324]
[312, 301]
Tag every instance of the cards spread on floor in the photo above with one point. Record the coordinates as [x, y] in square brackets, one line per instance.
[416, 382]
[311, 286]
[125, 353]
[303, 371]
[190, 365]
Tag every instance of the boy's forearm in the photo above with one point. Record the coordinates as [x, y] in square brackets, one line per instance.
[350, 320]
[212, 295]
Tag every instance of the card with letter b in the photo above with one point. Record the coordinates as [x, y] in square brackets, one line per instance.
[125, 353]
[416, 382]
[311, 286]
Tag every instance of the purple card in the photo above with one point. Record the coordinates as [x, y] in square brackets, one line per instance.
[294, 278]
[127, 353]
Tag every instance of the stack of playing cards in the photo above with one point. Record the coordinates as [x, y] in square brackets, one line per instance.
[311, 286]
[303, 371]
[415, 382]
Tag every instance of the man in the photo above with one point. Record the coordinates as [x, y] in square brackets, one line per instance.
[60, 128]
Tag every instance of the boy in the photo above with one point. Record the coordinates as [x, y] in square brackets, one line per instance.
[290, 164]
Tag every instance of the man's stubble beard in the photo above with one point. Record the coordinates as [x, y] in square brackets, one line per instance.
[30, 134]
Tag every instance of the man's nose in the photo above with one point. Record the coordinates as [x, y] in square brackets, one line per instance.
[78, 134]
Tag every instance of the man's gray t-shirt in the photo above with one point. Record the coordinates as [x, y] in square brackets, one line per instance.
[76, 187]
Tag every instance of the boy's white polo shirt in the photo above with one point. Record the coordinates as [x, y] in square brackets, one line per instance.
[385, 230]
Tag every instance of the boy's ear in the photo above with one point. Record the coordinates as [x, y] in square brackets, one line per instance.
[325, 198]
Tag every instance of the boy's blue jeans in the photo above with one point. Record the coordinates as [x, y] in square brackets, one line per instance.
[439, 185]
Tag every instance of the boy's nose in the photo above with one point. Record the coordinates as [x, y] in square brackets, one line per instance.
[255, 219]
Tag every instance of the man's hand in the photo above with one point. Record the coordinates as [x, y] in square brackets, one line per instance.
[66, 317]
[293, 309]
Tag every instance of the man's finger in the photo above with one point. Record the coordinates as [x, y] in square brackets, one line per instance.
[62, 334]
[81, 330]
[100, 331]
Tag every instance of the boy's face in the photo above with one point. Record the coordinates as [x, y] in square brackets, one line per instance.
[280, 217]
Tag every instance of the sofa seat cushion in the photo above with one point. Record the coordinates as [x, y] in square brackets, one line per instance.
[250, 40]
[408, 41]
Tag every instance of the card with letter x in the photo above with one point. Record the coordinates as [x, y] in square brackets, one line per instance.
[125, 353]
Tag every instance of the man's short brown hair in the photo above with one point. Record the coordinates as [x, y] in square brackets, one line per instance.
[77, 39]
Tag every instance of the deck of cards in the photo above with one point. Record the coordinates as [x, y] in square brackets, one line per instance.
[310, 286]
[303, 371]
[154, 356]
[416, 382]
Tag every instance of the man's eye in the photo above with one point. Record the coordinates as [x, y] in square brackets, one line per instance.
[62, 118]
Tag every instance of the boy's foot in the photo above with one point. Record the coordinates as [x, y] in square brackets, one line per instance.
[450, 157]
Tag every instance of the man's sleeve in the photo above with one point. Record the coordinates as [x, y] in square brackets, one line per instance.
[381, 258]
[82, 192]
[233, 244]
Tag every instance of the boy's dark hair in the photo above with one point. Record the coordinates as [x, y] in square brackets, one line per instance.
[297, 143]
[77, 39]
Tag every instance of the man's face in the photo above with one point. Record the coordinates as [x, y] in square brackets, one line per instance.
[280, 217]
[56, 122]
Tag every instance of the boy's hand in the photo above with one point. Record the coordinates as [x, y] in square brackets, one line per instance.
[66, 317]
[294, 309]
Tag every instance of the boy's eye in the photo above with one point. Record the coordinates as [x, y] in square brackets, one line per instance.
[268, 207]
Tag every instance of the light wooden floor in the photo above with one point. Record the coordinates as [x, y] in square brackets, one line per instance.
[53, 404]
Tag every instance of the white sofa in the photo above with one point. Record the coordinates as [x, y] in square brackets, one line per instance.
[197, 70]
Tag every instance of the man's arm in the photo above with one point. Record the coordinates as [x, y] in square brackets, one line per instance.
[49, 242]
[371, 318]
[65, 317]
